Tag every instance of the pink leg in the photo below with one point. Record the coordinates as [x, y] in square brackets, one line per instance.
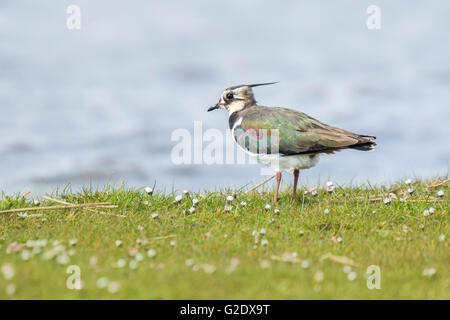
[294, 191]
[277, 187]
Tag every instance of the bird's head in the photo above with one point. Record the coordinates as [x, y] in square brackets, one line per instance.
[237, 98]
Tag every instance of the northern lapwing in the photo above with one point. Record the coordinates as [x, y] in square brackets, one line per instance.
[284, 139]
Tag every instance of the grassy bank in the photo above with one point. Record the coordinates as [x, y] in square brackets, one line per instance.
[317, 247]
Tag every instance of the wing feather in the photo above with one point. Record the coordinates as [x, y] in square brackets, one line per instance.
[297, 132]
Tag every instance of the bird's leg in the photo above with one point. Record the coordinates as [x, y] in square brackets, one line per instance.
[294, 191]
[277, 187]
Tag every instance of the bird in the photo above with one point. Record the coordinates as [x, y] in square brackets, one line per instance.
[284, 139]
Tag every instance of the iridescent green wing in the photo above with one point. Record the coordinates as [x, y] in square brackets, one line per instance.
[264, 130]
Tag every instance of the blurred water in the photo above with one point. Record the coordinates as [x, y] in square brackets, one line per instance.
[98, 105]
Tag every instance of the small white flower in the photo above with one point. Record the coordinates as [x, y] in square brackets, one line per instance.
[264, 242]
[173, 243]
[148, 190]
[410, 190]
[262, 231]
[304, 264]
[36, 202]
[271, 220]
[228, 207]
[121, 263]
[265, 264]
[154, 215]
[133, 264]
[102, 282]
[93, 260]
[132, 252]
[267, 207]
[347, 269]
[318, 276]
[10, 289]
[440, 193]
[209, 268]
[431, 210]
[254, 233]
[314, 192]
[330, 186]
[185, 192]
[442, 237]
[408, 181]
[339, 239]
[405, 228]
[351, 276]
[429, 272]
[194, 202]
[25, 255]
[230, 198]
[113, 287]
[62, 259]
[139, 257]
[140, 228]
[426, 213]
[8, 271]
[118, 243]
[72, 242]
[276, 211]
[243, 203]
[151, 253]
[189, 262]
[22, 215]
[178, 198]
[326, 211]
[387, 200]
[301, 233]
[192, 210]
[421, 226]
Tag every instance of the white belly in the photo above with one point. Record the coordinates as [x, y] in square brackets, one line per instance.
[287, 163]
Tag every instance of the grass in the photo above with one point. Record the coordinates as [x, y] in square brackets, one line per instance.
[214, 254]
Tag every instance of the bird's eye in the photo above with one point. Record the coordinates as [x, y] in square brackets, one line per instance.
[229, 96]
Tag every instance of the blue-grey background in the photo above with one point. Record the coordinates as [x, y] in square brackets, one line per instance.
[98, 105]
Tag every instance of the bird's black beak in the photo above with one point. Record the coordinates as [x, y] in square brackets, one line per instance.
[213, 107]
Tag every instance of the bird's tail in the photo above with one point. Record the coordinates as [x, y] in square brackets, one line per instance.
[366, 144]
